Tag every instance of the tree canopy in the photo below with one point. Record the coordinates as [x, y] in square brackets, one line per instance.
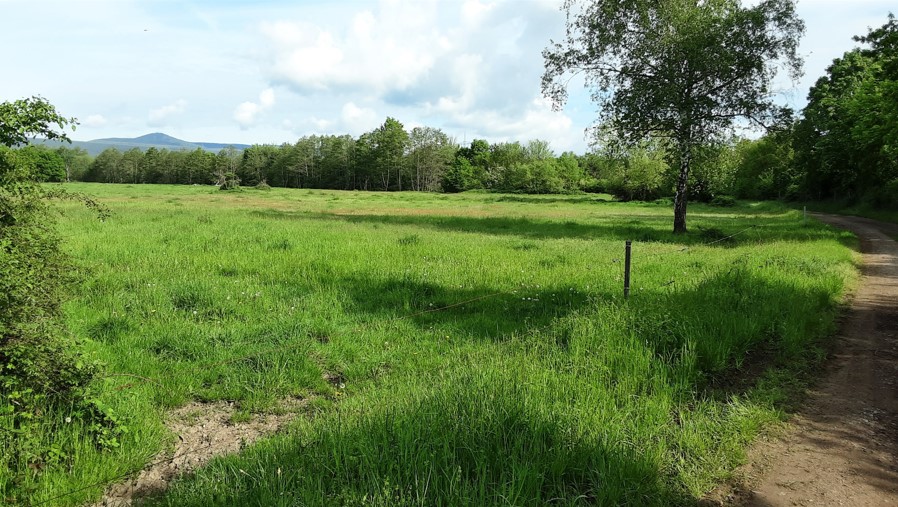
[847, 142]
[23, 119]
[682, 71]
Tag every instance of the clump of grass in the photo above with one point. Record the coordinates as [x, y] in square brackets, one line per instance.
[411, 239]
[282, 244]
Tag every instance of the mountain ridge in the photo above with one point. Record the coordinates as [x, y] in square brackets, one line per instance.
[158, 140]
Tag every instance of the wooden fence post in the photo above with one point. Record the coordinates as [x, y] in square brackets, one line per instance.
[627, 270]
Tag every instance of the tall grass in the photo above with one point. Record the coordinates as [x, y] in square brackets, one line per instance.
[545, 386]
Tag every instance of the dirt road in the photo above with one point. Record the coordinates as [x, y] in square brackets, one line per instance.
[843, 446]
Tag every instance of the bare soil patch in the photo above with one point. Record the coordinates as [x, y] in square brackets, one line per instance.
[204, 430]
[842, 446]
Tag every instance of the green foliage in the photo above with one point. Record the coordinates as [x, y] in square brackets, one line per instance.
[713, 172]
[76, 162]
[42, 371]
[681, 71]
[41, 163]
[765, 168]
[461, 176]
[43, 376]
[33, 276]
[845, 145]
[884, 197]
[430, 152]
[723, 201]
[546, 176]
[23, 119]
[229, 181]
[639, 173]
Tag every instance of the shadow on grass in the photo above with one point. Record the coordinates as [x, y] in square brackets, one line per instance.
[715, 232]
[476, 311]
[739, 324]
[479, 439]
[547, 200]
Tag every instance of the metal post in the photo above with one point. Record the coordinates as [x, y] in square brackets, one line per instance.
[805, 221]
[627, 271]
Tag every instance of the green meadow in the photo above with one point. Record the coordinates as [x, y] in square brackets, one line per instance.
[467, 349]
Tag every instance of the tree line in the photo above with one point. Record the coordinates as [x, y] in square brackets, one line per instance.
[388, 158]
[423, 160]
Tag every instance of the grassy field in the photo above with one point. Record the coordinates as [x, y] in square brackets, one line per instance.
[470, 349]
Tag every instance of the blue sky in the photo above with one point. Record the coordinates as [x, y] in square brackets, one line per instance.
[272, 71]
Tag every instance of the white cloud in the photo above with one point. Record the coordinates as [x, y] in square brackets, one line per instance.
[474, 11]
[474, 64]
[94, 120]
[358, 119]
[383, 51]
[321, 125]
[536, 121]
[266, 98]
[159, 117]
[246, 114]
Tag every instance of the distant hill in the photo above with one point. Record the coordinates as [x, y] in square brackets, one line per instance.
[156, 140]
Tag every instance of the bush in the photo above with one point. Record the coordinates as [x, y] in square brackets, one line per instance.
[461, 176]
[723, 201]
[884, 197]
[229, 181]
[41, 368]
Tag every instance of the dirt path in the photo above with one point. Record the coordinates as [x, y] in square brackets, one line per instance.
[842, 448]
[204, 431]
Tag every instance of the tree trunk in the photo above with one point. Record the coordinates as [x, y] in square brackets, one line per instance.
[682, 190]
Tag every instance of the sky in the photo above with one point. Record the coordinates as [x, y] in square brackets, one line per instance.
[271, 71]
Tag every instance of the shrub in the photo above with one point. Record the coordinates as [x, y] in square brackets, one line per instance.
[884, 197]
[229, 181]
[461, 176]
[723, 201]
[42, 371]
